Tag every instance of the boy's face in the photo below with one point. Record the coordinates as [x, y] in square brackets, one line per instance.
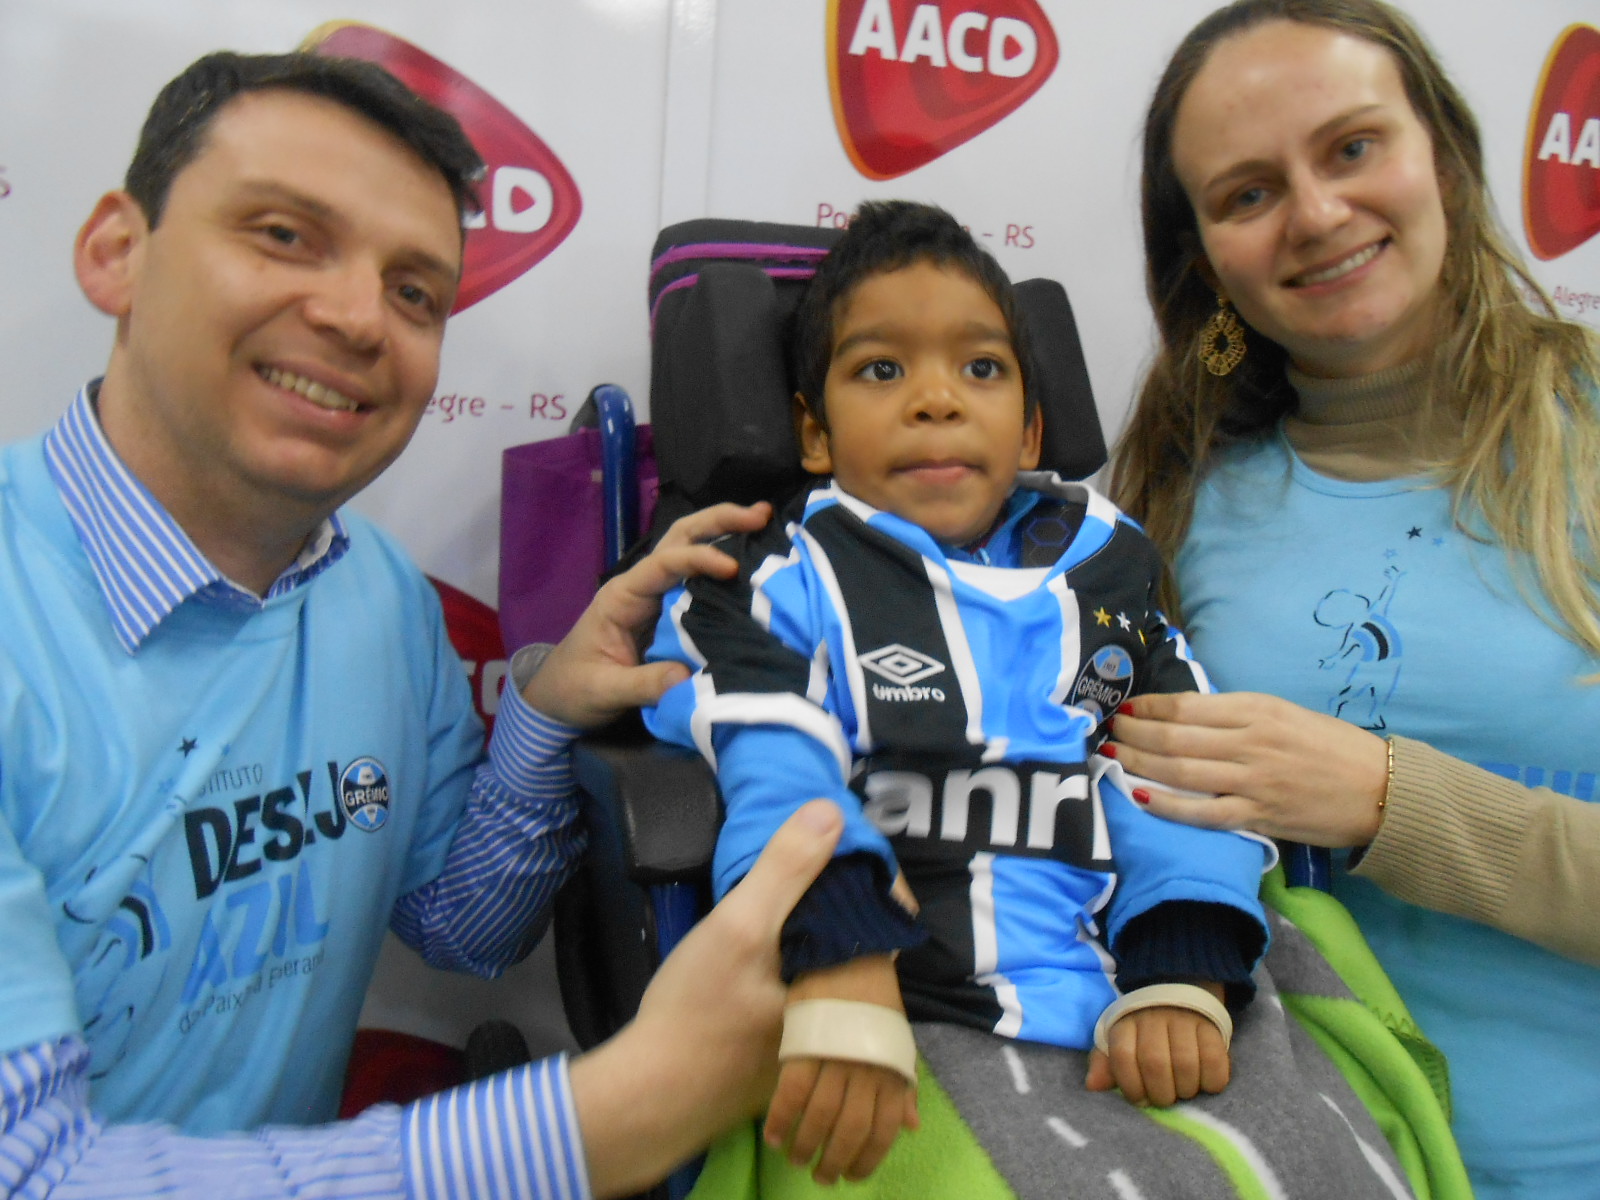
[924, 403]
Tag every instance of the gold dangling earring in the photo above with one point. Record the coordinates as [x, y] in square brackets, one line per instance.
[1222, 341]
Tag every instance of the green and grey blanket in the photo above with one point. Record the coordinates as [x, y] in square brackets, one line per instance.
[1336, 1095]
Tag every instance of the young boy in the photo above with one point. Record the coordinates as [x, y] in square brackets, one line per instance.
[935, 639]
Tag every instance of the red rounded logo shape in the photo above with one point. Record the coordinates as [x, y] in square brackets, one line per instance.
[1561, 171]
[912, 81]
[474, 630]
[530, 200]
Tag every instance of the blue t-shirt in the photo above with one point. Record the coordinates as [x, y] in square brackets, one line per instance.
[229, 816]
[1363, 600]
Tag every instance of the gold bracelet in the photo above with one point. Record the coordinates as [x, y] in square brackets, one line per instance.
[1388, 782]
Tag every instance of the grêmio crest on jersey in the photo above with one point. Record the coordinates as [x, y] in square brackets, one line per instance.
[1104, 682]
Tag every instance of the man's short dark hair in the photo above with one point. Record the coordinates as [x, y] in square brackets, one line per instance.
[884, 236]
[174, 131]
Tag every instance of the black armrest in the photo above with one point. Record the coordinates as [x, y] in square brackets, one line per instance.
[652, 813]
[661, 802]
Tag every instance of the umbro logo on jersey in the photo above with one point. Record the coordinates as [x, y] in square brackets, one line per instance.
[900, 664]
[903, 667]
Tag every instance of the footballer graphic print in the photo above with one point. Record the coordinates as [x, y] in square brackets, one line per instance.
[1367, 659]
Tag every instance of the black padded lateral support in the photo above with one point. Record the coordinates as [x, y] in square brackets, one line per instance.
[720, 395]
[1074, 445]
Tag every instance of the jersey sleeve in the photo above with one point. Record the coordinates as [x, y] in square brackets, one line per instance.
[756, 705]
[1187, 902]
[1169, 661]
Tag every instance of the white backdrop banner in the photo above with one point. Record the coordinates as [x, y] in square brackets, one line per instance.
[602, 120]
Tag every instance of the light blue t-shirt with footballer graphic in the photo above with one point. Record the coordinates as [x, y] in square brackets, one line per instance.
[1364, 601]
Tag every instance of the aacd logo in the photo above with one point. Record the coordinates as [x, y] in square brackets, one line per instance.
[912, 81]
[1561, 177]
[530, 201]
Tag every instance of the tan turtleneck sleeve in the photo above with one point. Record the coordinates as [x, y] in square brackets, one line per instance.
[1458, 839]
[1455, 838]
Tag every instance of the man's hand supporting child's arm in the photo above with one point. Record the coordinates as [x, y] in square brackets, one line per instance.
[1162, 1055]
[850, 1111]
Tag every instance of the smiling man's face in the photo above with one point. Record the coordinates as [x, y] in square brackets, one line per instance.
[279, 329]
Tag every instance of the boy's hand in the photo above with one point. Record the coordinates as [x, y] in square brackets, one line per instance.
[850, 1111]
[1162, 1055]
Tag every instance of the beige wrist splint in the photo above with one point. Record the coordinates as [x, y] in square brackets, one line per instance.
[851, 1030]
[1164, 995]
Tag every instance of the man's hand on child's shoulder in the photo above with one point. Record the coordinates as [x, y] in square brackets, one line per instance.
[1161, 1055]
[849, 1111]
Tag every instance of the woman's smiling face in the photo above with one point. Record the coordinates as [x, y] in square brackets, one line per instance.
[1316, 195]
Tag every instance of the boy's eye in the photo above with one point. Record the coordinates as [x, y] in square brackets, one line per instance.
[880, 370]
[986, 368]
[282, 234]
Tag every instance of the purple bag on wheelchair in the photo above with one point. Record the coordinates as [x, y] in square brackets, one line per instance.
[552, 531]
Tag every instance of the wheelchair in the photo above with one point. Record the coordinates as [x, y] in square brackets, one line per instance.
[721, 295]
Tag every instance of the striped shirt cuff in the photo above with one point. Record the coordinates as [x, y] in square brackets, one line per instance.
[50, 1146]
[529, 751]
[44, 1115]
[512, 1134]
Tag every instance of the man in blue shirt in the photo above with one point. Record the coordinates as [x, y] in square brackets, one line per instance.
[237, 742]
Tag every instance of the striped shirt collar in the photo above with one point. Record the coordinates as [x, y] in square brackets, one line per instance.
[146, 564]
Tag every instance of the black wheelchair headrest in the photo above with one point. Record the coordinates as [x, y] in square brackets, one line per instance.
[723, 296]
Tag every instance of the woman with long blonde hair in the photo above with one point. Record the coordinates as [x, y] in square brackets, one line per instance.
[1371, 449]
